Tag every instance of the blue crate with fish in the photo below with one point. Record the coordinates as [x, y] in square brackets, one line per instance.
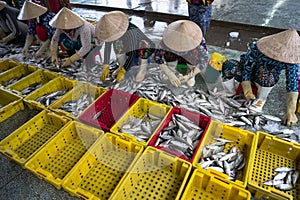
[56, 159]
[7, 64]
[50, 92]
[102, 168]
[108, 109]
[26, 141]
[203, 185]
[227, 152]
[32, 82]
[181, 133]
[155, 175]
[141, 121]
[77, 100]
[16, 74]
[274, 174]
[10, 103]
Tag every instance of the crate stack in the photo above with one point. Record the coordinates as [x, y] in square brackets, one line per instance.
[118, 145]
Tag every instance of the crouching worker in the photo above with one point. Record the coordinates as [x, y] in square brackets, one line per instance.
[262, 65]
[131, 46]
[182, 53]
[10, 27]
[39, 28]
[75, 35]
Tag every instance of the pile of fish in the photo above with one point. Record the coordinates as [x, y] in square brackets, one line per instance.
[31, 88]
[218, 157]
[141, 128]
[48, 99]
[75, 107]
[13, 80]
[181, 135]
[285, 179]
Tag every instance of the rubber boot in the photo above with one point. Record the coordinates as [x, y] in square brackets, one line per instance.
[229, 87]
[142, 71]
[260, 101]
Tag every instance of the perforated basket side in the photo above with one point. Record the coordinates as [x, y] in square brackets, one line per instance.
[7, 64]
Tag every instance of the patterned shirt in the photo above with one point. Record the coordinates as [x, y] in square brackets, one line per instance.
[86, 33]
[197, 56]
[258, 67]
[128, 44]
[45, 18]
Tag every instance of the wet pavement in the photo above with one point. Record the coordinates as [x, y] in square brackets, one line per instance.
[18, 183]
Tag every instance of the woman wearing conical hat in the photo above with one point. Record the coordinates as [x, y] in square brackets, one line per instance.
[262, 65]
[39, 27]
[11, 27]
[76, 36]
[182, 53]
[131, 46]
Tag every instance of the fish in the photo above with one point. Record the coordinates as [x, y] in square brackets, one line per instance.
[98, 114]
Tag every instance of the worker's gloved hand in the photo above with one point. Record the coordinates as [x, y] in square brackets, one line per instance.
[70, 60]
[8, 38]
[54, 57]
[44, 48]
[28, 42]
[190, 75]
[121, 74]
[290, 117]
[171, 76]
[105, 73]
[248, 90]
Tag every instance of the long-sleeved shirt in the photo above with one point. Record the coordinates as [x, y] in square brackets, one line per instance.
[45, 18]
[263, 70]
[86, 33]
[197, 57]
[128, 44]
[9, 22]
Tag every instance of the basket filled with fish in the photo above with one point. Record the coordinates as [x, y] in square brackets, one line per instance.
[274, 174]
[181, 133]
[32, 82]
[203, 185]
[155, 175]
[141, 120]
[50, 92]
[98, 173]
[53, 162]
[227, 152]
[108, 109]
[77, 100]
[27, 140]
[10, 103]
[7, 64]
[16, 74]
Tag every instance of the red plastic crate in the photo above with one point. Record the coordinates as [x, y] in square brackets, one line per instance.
[202, 121]
[113, 104]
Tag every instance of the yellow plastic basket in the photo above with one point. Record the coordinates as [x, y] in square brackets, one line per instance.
[203, 185]
[10, 103]
[17, 73]
[272, 152]
[40, 76]
[27, 140]
[242, 139]
[79, 89]
[155, 175]
[57, 84]
[7, 64]
[139, 109]
[58, 157]
[101, 169]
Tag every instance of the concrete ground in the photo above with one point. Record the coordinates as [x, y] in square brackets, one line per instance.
[18, 183]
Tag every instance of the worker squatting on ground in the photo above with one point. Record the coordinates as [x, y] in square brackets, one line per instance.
[182, 53]
[76, 36]
[39, 28]
[131, 46]
[10, 27]
[262, 65]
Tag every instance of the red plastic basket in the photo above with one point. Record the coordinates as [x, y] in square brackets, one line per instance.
[201, 120]
[113, 104]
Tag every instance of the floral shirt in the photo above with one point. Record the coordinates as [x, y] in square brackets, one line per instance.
[45, 18]
[259, 68]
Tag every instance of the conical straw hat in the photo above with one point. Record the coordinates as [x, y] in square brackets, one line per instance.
[283, 46]
[112, 26]
[31, 10]
[66, 19]
[182, 35]
[2, 5]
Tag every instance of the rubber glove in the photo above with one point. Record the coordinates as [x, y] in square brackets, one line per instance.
[290, 117]
[70, 60]
[172, 77]
[248, 90]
